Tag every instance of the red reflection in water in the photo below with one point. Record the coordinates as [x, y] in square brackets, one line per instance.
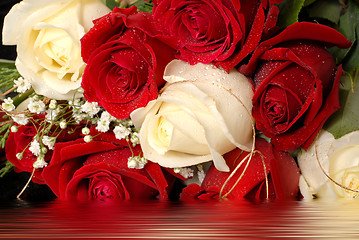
[171, 220]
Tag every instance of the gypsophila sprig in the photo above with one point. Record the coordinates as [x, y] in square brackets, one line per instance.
[49, 142]
[91, 108]
[136, 162]
[36, 105]
[35, 147]
[121, 132]
[20, 119]
[8, 105]
[22, 84]
[186, 172]
[103, 124]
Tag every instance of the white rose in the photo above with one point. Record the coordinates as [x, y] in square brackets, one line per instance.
[47, 34]
[202, 113]
[339, 159]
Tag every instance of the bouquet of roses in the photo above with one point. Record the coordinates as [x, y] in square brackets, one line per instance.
[195, 100]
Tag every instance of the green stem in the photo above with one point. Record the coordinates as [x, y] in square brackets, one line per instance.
[21, 97]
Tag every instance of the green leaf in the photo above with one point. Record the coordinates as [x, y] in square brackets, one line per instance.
[346, 119]
[5, 131]
[308, 2]
[8, 166]
[288, 12]
[144, 6]
[348, 23]
[8, 74]
[111, 4]
[326, 9]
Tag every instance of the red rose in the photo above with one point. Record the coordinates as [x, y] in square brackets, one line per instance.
[296, 84]
[220, 31]
[98, 170]
[282, 170]
[19, 142]
[125, 62]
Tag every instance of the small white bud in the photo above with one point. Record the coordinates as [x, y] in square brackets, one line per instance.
[88, 138]
[53, 104]
[13, 129]
[85, 131]
[19, 155]
[63, 124]
[44, 150]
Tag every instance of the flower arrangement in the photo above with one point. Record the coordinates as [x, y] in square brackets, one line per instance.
[189, 100]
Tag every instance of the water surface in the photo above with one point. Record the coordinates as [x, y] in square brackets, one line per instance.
[178, 220]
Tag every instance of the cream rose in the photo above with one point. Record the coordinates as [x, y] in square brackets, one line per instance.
[339, 158]
[202, 113]
[47, 34]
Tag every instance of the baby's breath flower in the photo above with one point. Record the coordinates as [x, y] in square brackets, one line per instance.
[49, 142]
[8, 104]
[75, 102]
[107, 116]
[103, 124]
[13, 129]
[121, 132]
[85, 131]
[53, 104]
[22, 84]
[88, 138]
[91, 108]
[40, 162]
[19, 155]
[44, 150]
[51, 115]
[36, 106]
[63, 124]
[35, 147]
[201, 175]
[79, 117]
[20, 119]
[136, 162]
[135, 139]
[185, 172]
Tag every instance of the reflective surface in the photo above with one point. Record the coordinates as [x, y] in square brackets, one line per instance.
[177, 220]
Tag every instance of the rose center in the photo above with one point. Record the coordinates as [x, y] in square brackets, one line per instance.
[165, 130]
[103, 188]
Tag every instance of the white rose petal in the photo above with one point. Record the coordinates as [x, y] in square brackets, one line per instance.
[339, 158]
[47, 34]
[203, 113]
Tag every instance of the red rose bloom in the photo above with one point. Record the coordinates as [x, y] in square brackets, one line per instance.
[296, 84]
[16, 143]
[125, 62]
[220, 31]
[282, 170]
[19, 142]
[98, 170]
